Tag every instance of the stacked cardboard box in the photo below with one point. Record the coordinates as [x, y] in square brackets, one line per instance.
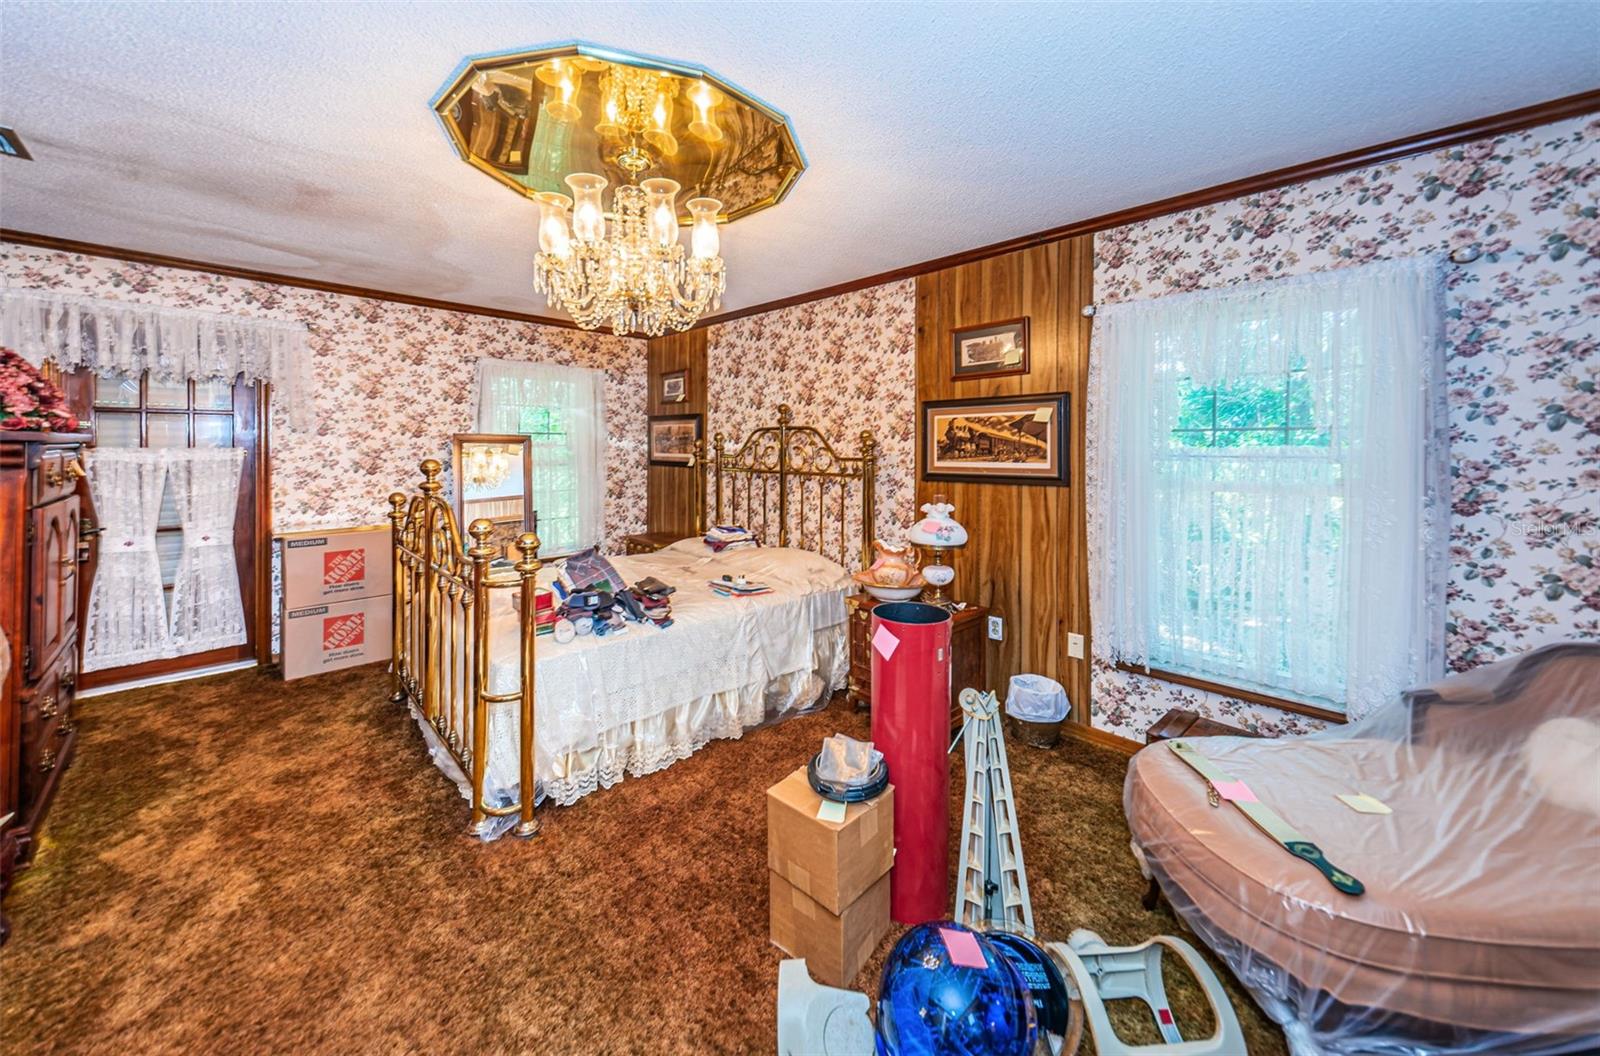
[828, 880]
[337, 603]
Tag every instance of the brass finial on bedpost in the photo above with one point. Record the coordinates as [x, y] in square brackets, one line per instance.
[869, 487]
[431, 468]
[528, 568]
[397, 527]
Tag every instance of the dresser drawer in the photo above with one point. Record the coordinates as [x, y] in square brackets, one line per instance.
[47, 728]
[56, 474]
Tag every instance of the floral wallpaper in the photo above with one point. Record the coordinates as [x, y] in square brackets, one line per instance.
[843, 364]
[394, 382]
[1524, 324]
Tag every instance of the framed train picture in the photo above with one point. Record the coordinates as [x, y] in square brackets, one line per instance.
[996, 439]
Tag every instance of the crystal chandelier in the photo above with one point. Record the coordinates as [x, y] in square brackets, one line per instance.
[640, 278]
[484, 466]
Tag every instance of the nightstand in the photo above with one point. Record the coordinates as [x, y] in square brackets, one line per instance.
[967, 649]
[648, 542]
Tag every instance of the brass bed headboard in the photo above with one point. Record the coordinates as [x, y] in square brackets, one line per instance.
[785, 482]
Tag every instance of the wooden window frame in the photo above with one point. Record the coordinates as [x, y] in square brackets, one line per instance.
[1236, 692]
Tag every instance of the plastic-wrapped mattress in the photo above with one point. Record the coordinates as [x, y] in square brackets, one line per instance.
[1479, 930]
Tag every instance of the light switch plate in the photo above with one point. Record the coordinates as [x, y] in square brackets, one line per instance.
[1075, 646]
[997, 629]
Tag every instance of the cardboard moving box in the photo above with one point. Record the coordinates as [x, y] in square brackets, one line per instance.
[833, 862]
[319, 638]
[321, 567]
[835, 945]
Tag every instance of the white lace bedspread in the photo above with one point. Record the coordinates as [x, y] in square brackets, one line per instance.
[638, 701]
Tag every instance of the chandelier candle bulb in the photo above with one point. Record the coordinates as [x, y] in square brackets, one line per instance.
[662, 195]
[588, 216]
[554, 235]
[704, 238]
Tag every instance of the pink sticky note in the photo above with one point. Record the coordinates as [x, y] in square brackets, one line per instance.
[1234, 791]
[885, 642]
[963, 947]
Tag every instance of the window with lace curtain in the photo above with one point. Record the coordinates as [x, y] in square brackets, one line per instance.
[1267, 468]
[562, 410]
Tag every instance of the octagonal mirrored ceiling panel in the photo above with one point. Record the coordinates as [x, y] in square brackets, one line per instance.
[530, 118]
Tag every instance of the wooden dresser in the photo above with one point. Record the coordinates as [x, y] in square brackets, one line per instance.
[649, 542]
[967, 649]
[44, 514]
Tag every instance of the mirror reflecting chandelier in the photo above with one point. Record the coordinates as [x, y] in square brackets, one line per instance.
[582, 119]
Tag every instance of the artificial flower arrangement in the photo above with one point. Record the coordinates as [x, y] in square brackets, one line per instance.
[29, 402]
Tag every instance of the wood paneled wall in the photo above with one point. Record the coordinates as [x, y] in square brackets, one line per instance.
[1026, 555]
[670, 488]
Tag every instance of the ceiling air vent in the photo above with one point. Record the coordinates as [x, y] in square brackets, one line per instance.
[11, 145]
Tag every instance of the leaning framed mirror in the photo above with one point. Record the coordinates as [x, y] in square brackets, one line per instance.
[493, 476]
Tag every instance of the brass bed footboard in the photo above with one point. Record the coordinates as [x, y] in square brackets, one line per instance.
[442, 602]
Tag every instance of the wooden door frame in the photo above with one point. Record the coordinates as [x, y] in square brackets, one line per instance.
[252, 547]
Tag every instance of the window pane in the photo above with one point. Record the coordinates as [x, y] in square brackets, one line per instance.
[168, 430]
[169, 545]
[213, 395]
[167, 393]
[116, 392]
[112, 429]
[1301, 407]
[213, 430]
[169, 508]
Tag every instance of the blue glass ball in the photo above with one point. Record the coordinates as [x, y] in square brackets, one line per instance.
[928, 1006]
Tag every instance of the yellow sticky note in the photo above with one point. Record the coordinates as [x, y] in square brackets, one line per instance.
[1043, 414]
[1012, 357]
[831, 810]
[1363, 803]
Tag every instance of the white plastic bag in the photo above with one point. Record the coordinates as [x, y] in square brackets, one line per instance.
[1034, 698]
[847, 761]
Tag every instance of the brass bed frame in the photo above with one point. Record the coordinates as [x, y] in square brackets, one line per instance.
[442, 590]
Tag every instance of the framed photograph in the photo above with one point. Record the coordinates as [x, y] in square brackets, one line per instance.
[996, 439]
[675, 386]
[989, 351]
[672, 438]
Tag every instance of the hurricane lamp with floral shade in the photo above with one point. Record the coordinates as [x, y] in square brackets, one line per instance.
[939, 532]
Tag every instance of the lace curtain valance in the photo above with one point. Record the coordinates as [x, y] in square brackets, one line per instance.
[116, 338]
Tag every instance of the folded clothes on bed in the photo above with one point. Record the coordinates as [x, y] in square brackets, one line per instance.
[729, 537]
[588, 570]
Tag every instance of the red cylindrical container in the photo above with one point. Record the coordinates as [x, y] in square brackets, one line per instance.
[911, 727]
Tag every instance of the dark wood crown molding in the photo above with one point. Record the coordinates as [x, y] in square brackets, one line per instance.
[1495, 125]
[94, 249]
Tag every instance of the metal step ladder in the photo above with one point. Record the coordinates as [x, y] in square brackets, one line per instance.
[992, 889]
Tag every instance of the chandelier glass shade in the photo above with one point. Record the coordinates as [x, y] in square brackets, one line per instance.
[639, 279]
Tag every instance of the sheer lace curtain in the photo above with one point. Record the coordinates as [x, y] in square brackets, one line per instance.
[207, 610]
[127, 620]
[563, 410]
[123, 339]
[1296, 540]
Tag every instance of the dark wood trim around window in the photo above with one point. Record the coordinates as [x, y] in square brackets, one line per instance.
[1221, 689]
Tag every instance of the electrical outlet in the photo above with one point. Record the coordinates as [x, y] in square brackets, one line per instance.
[1075, 646]
[997, 629]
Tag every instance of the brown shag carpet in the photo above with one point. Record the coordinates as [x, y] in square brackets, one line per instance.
[239, 865]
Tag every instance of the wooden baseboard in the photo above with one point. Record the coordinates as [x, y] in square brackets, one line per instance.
[1100, 738]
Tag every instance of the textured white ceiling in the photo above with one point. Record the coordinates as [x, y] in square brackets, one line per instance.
[296, 137]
